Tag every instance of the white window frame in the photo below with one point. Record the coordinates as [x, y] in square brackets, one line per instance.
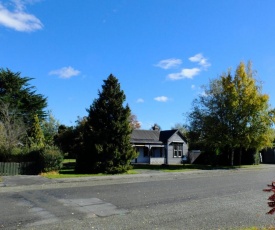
[177, 149]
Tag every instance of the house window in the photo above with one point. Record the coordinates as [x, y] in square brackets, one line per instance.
[145, 152]
[178, 148]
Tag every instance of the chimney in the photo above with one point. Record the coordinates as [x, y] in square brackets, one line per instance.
[156, 127]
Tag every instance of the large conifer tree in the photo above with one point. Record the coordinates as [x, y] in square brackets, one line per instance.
[18, 94]
[109, 130]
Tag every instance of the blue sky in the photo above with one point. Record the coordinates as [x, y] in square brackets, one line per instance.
[162, 51]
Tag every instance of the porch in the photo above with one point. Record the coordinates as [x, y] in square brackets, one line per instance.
[157, 161]
[150, 154]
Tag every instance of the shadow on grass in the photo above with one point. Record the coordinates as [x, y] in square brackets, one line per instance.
[69, 167]
[181, 167]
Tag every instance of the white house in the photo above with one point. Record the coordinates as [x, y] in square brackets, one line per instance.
[159, 147]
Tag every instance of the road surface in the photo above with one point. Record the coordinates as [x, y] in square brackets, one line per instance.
[217, 199]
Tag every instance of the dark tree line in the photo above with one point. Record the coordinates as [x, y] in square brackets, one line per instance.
[231, 118]
[22, 113]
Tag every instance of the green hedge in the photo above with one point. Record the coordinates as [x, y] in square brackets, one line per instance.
[45, 159]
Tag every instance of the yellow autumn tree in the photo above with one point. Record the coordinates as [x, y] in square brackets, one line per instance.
[234, 114]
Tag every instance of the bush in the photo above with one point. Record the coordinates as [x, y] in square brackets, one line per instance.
[50, 159]
[16, 154]
[4, 155]
[44, 159]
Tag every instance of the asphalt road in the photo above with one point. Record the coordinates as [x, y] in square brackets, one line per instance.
[218, 199]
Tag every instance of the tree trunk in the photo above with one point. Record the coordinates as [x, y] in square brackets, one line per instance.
[232, 157]
[240, 156]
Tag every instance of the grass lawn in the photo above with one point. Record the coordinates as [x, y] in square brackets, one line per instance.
[69, 164]
[67, 171]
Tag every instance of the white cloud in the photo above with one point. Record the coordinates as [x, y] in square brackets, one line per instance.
[161, 99]
[18, 19]
[193, 87]
[65, 72]
[200, 59]
[185, 73]
[169, 63]
[140, 100]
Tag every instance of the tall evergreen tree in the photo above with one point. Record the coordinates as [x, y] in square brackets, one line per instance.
[109, 129]
[36, 136]
[21, 96]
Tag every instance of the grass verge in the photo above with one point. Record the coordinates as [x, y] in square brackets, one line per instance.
[186, 167]
[69, 164]
[256, 228]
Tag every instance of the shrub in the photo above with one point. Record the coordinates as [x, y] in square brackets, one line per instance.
[50, 159]
[4, 154]
[271, 202]
[15, 154]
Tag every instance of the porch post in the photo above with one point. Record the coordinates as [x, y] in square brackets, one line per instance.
[166, 153]
[149, 152]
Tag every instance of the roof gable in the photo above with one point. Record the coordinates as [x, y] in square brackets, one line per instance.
[179, 134]
[166, 134]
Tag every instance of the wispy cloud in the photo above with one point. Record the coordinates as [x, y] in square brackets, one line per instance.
[200, 59]
[191, 72]
[185, 73]
[169, 63]
[193, 87]
[140, 100]
[18, 19]
[161, 99]
[65, 72]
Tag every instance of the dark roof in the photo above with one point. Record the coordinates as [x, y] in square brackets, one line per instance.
[166, 134]
[151, 136]
[145, 136]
